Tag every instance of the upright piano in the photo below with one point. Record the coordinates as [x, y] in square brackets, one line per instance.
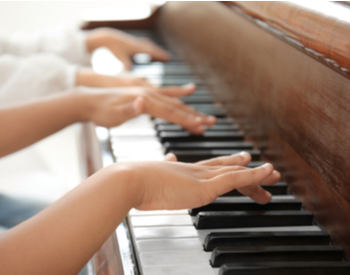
[276, 75]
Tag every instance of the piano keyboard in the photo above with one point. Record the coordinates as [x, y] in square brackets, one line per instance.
[232, 235]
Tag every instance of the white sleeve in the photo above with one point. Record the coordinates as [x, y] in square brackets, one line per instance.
[67, 42]
[22, 79]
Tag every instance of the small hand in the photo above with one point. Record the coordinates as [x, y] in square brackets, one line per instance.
[111, 107]
[175, 185]
[255, 192]
[124, 46]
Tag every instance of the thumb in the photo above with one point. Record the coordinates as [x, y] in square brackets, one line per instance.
[170, 157]
[130, 110]
[126, 62]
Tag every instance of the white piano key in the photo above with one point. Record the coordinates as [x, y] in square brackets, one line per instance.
[161, 258]
[185, 244]
[170, 220]
[164, 232]
[155, 156]
[135, 212]
[133, 145]
[132, 132]
[181, 270]
[170, 232]
[142, 121]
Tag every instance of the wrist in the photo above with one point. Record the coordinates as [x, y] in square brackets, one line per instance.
[97, 39]
[126, 183]
[84, 102]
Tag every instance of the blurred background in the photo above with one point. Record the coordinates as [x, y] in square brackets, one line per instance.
[51, 167]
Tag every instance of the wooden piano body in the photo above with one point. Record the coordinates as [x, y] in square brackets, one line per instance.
[282, 71]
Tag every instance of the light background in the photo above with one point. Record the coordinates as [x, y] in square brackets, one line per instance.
[51, 167]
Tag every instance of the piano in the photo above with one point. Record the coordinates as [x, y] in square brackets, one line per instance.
[276, 75]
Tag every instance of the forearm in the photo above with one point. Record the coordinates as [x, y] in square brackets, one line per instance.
[62, 238]
[25, 124]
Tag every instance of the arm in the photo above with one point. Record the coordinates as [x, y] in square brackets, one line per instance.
[76, 46]
[25, 124]
[66, 234]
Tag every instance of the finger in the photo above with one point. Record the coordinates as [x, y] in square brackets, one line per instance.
[156, 52]
[143, 82]
[146, 84]
[256, 193]
[241, 159]
[125, 59]
[170, 157]
[174, 91]
[139, 105]
[171, 113]
[275, 177]
[237, 179]
[202, 118]
[128, 111]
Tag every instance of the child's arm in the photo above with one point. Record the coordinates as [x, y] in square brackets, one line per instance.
[63, 237]
[25, 124]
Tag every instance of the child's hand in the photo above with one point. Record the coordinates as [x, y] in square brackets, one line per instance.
[174, 185]
[124, 46]
[112, 107]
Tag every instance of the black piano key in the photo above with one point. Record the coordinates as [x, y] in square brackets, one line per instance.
[197, 99]
[219, 121]
[213, 112]
[210, 106]
[296, 253]
[255, 164]
[198, 145]
[287, 268]
[240, 219]
[213, 128]
[199, 155]
[247, 204]
[206, 136]
[201, 91]
[224, 239]
[280, 188]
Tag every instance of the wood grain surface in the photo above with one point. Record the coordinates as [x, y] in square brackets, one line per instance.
[296, 109]
[323, 27]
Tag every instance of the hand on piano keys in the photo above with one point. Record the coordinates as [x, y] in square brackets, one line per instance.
[124, 46]
[172, 185]
[114, 106]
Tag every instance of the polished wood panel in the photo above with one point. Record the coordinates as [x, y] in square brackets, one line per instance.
[294, 107]
[323, 27]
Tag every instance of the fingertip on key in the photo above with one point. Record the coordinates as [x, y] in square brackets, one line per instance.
[198, 119]
[188, 86]
[245, 155]
[211, 120]
[267, 167]
[269, 196]
[276, 174]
